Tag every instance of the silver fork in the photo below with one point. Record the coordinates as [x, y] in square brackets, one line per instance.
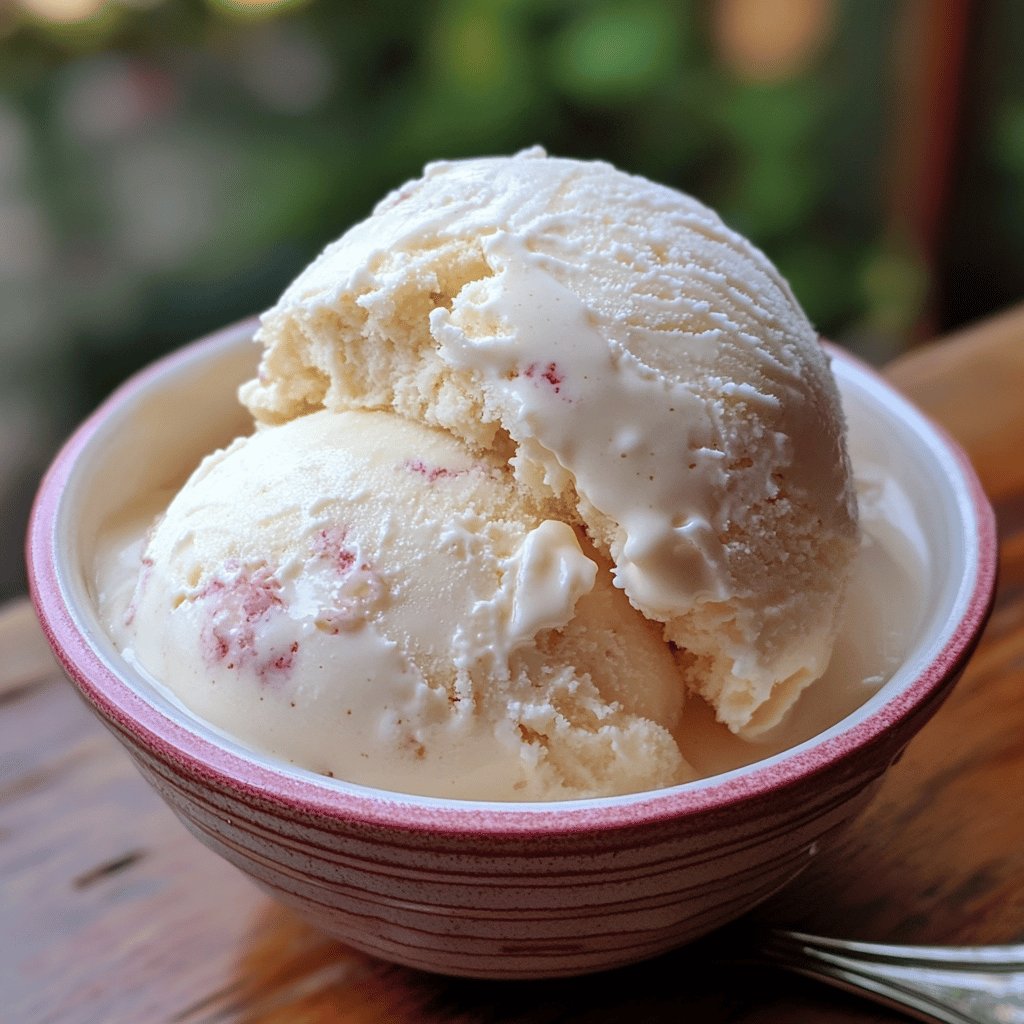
[938, 984]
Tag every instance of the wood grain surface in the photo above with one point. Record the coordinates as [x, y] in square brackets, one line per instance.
[111, 913]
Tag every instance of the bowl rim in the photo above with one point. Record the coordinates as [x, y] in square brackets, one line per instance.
[303, 793]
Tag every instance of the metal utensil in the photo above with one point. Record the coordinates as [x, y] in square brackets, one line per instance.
[938, 984]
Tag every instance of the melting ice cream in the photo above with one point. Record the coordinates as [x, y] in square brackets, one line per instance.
[544, 455]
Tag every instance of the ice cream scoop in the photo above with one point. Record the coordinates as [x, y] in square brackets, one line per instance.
[641, 367]
[367, 597]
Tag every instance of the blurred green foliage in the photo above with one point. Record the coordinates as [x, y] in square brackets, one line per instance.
[168, 166]
[186, 161]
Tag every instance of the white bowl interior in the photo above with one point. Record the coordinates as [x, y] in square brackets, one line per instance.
[885, 429]
[160, 428]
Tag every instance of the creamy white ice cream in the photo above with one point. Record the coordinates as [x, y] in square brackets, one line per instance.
[363, 595]
[541, 447]
[636, 361]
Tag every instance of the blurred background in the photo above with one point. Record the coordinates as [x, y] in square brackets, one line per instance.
[167, 166]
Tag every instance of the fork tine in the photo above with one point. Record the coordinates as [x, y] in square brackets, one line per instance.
[954, 985]
[879, 989]
[1006, 958]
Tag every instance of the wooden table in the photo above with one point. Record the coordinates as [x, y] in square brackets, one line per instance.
[110, 912]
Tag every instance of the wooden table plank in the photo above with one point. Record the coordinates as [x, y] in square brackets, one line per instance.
[972, 384]
[111, 912]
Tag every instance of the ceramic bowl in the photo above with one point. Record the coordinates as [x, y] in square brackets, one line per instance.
[489, 889]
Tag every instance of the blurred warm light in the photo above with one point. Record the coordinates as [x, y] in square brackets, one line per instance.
[65, 12]
[771, 39]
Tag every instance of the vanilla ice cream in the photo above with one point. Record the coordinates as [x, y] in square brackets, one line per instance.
[542, 447]
[366, 597]
[635, 360]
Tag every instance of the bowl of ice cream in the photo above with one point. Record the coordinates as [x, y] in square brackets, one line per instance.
[552, 598]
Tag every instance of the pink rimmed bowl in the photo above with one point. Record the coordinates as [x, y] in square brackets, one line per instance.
[488, 889]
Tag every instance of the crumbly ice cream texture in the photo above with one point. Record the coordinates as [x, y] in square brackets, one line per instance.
[541, 447]
[638, 364]
[372, 600]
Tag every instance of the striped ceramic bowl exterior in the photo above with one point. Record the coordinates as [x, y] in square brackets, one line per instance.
[500, 890]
